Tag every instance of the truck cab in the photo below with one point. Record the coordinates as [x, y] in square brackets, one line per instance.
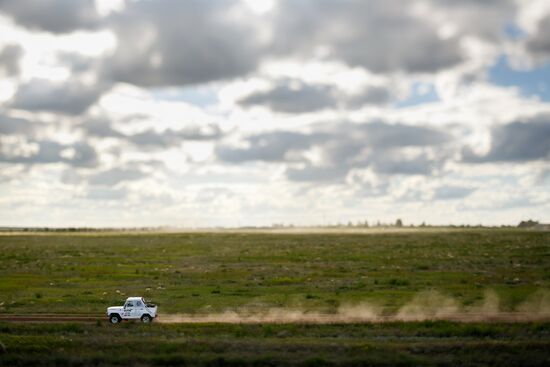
[135, 308]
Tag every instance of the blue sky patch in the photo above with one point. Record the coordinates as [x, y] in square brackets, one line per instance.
[534, 82]
[513, 32]
[420, 93]
[197, 96]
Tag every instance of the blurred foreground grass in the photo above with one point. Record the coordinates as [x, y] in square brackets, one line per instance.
[393, 344]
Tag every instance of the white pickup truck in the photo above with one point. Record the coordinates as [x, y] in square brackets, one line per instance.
[134, 308]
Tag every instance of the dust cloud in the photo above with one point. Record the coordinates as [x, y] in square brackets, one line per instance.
[537, 304]
[428, 305]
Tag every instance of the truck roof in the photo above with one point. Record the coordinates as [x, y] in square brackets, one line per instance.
[134, 298]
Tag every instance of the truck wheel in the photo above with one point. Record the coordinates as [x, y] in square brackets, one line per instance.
[146, 319]
[115, 319]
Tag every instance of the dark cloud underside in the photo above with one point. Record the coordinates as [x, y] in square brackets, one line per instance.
[56, 16]
[517, 142]
[539, 43]
[380, 36]
[167, 43]
[10, 56]
[292, 98]
[80, 155]
[71, 98]
[343, 147]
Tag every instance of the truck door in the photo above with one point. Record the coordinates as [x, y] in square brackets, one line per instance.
[140, 308]
[129, 310]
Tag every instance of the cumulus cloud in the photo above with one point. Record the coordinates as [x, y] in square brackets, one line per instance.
[56, 16]
[9, 60]
[386, 148]
[311, 173]
[379, 35]
[336, 125]
[169, 138]
[486, 19]
[292, 97]
[15, 126]
[116, 175]
[539, 42]
[269, 147]
[106, 193]
[371, 95]
[167, 43]
[516, 142]
[26, 142]
[46, 152]
[100, 128]
[151, 138]
[70, 97]
[78, 64]
[450, 192]
[395, 162]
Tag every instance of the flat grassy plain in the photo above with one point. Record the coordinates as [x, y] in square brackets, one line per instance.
[203, 273]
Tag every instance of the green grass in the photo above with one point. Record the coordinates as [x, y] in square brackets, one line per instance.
[195, 272]
[209, 272]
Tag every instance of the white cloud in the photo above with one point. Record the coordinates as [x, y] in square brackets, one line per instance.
[249, 113]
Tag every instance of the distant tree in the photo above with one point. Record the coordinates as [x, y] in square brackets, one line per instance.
[399, 223]
[527, 224]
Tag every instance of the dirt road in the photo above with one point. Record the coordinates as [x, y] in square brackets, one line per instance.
[285, 317]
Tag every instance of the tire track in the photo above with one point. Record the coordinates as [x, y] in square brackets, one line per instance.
[305, 318]
[50, 318]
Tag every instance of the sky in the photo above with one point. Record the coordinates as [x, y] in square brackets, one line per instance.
[204, 113]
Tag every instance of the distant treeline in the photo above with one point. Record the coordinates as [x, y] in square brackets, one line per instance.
[79, 229]
[360, 224]
[399, 224]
